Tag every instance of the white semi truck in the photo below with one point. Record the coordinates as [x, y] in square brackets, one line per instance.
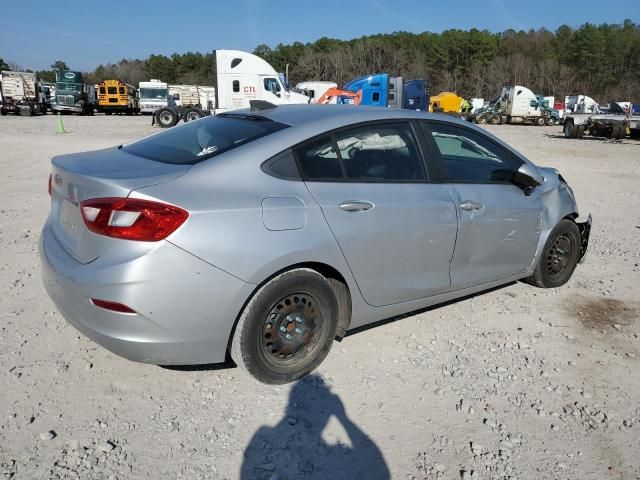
[315, 90]
[21, 93]
[240, 77]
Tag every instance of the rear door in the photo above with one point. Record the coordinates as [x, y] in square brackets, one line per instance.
[396, 229]
[499, 225]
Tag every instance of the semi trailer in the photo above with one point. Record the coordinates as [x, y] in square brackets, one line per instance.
[22, 94]
[73, 95]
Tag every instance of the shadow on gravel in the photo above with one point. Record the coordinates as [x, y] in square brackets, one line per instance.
[296, 448]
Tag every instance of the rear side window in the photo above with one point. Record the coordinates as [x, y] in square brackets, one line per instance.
[380, 152]
[196, 141]
[371, 153]
[121, 90]
[470, 157]
[319, 160]
[103, 90]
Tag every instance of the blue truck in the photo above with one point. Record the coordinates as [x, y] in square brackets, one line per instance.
[384, 90]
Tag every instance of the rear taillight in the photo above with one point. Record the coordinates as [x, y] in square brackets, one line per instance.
[132, 218]
[49, 187]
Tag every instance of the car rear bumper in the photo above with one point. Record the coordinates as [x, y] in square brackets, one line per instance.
[185, 308]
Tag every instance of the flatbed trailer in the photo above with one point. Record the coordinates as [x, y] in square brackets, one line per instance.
[599, 125]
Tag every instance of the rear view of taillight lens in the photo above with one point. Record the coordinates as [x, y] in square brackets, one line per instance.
[132, 218]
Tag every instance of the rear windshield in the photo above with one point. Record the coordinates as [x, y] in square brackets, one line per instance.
[201, 139]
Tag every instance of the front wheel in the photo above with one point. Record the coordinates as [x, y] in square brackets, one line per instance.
[560, 256]
[287, 328]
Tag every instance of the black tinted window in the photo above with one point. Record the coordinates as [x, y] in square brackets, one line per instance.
[469, 156]
[319, 160]
[283, 166]
[380, 152]
[195, 141]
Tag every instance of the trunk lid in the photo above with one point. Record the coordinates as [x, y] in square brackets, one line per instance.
[103, 173]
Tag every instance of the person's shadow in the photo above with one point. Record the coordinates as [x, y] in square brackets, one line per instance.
[295, 447]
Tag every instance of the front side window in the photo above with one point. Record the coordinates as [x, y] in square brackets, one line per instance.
[236, 86]
[470, 157]
[196, 141]
[271, 85]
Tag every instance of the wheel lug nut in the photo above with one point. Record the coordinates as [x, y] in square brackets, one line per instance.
[283, 328]
[289, 337]
[298, 319]
[298, 330]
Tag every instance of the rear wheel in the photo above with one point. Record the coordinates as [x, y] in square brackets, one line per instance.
[287, 328]
[166, 117]
[540, 121]
[192, 114]
[494, 120]
[481, 119]
[560, 256]
[550, 121]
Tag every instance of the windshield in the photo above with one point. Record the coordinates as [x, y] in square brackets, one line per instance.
[153, 93]
[196, 141]
[69, 87]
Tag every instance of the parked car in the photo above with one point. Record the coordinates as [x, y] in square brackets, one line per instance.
[264, 234]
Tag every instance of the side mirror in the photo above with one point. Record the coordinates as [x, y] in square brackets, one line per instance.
[528, 176]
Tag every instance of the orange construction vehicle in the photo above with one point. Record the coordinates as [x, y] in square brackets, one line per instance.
[337, 92]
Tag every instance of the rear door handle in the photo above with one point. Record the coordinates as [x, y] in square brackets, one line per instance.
[355, 206]
[468, 205]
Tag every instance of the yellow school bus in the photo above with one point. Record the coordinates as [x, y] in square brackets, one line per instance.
[115, 96]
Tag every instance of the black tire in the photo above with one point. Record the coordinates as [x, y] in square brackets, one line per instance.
[481, 119]
[166, 117]
[287, 328]
[560, 256]
[550, 122]
[91, 110]
[191, 114]
[540, 121]
[569, 129]
[3, 112]
[494, 119]
[617, 132]
[579, 131]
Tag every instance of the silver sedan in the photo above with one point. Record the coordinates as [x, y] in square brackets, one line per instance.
[264, 234]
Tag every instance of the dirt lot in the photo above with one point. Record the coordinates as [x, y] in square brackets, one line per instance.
[515, 383]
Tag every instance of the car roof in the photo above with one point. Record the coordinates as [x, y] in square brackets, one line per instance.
[305, 115]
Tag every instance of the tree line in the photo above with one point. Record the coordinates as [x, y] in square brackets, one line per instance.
[602, 61]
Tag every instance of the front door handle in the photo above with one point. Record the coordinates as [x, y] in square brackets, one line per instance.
[468, 205]
[355, 206]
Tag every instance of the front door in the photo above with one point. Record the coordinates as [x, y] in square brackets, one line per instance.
[396, 229]
[498, 224]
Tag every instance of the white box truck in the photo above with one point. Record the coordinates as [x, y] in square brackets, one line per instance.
[153, 94]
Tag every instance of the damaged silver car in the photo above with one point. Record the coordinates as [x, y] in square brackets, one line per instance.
[264, 234]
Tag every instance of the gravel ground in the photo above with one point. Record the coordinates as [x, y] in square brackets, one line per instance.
[518, 382]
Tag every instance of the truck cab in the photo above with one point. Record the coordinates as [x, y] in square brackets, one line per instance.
[385, 91]
[154, 94]
[242, 77]
[73, 94]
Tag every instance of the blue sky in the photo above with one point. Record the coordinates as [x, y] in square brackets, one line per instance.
[84, 34]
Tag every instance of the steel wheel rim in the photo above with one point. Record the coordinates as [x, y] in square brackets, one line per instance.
[559, 256]
[165, 117]
[192, 116]
[290, 329]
